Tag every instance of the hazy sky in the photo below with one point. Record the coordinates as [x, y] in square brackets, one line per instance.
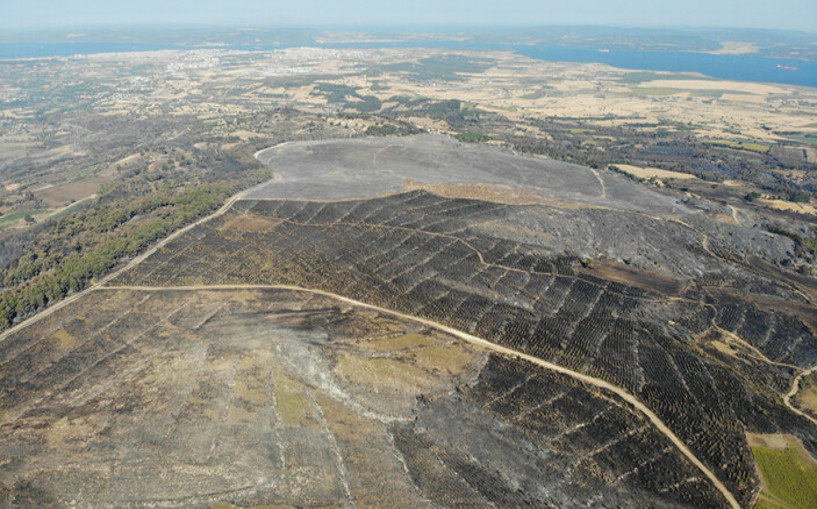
[785, 14]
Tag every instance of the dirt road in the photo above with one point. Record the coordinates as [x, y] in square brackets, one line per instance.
[626, 396]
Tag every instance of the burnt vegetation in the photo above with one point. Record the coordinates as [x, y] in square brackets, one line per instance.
[131, 379]
[422, 255]
[710, 347]
[539, 411]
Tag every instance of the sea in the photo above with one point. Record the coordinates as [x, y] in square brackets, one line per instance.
[728, 67]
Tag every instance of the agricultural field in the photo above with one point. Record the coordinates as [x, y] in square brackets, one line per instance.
[650, 173]
[788, 473]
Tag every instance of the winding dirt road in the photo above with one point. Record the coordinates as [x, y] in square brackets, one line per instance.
[795, 388]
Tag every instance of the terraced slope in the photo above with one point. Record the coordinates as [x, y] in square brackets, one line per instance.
[256, 396]
[712, 368]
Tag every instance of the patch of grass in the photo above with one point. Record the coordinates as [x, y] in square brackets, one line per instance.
[250, 393]
[657, 91]
[635, 78]
[444, 68]
[441, 109]
[810, 139]
[338, 94]
[764, 501]
[453, 359]
[386, 374]
[790, 477]
[291, 403]
[538, 94]
[63, 339]
[509, 109]
[86, 172]
[289, 82]
[378, 86]
[742, 145]
[8, 219]
[74, 206]
[471, 137]
[712, 94]
[806, 398]
[665, 91]
[402, 342]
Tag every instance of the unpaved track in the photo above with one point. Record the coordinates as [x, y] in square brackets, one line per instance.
[136, 261]
[603, 192]
[626, 396]
[795, 388]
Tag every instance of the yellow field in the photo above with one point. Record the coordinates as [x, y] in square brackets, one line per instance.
[788, 473]
[802, 208]
[647, 173]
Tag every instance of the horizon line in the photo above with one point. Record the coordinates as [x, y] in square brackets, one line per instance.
[390, 27]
